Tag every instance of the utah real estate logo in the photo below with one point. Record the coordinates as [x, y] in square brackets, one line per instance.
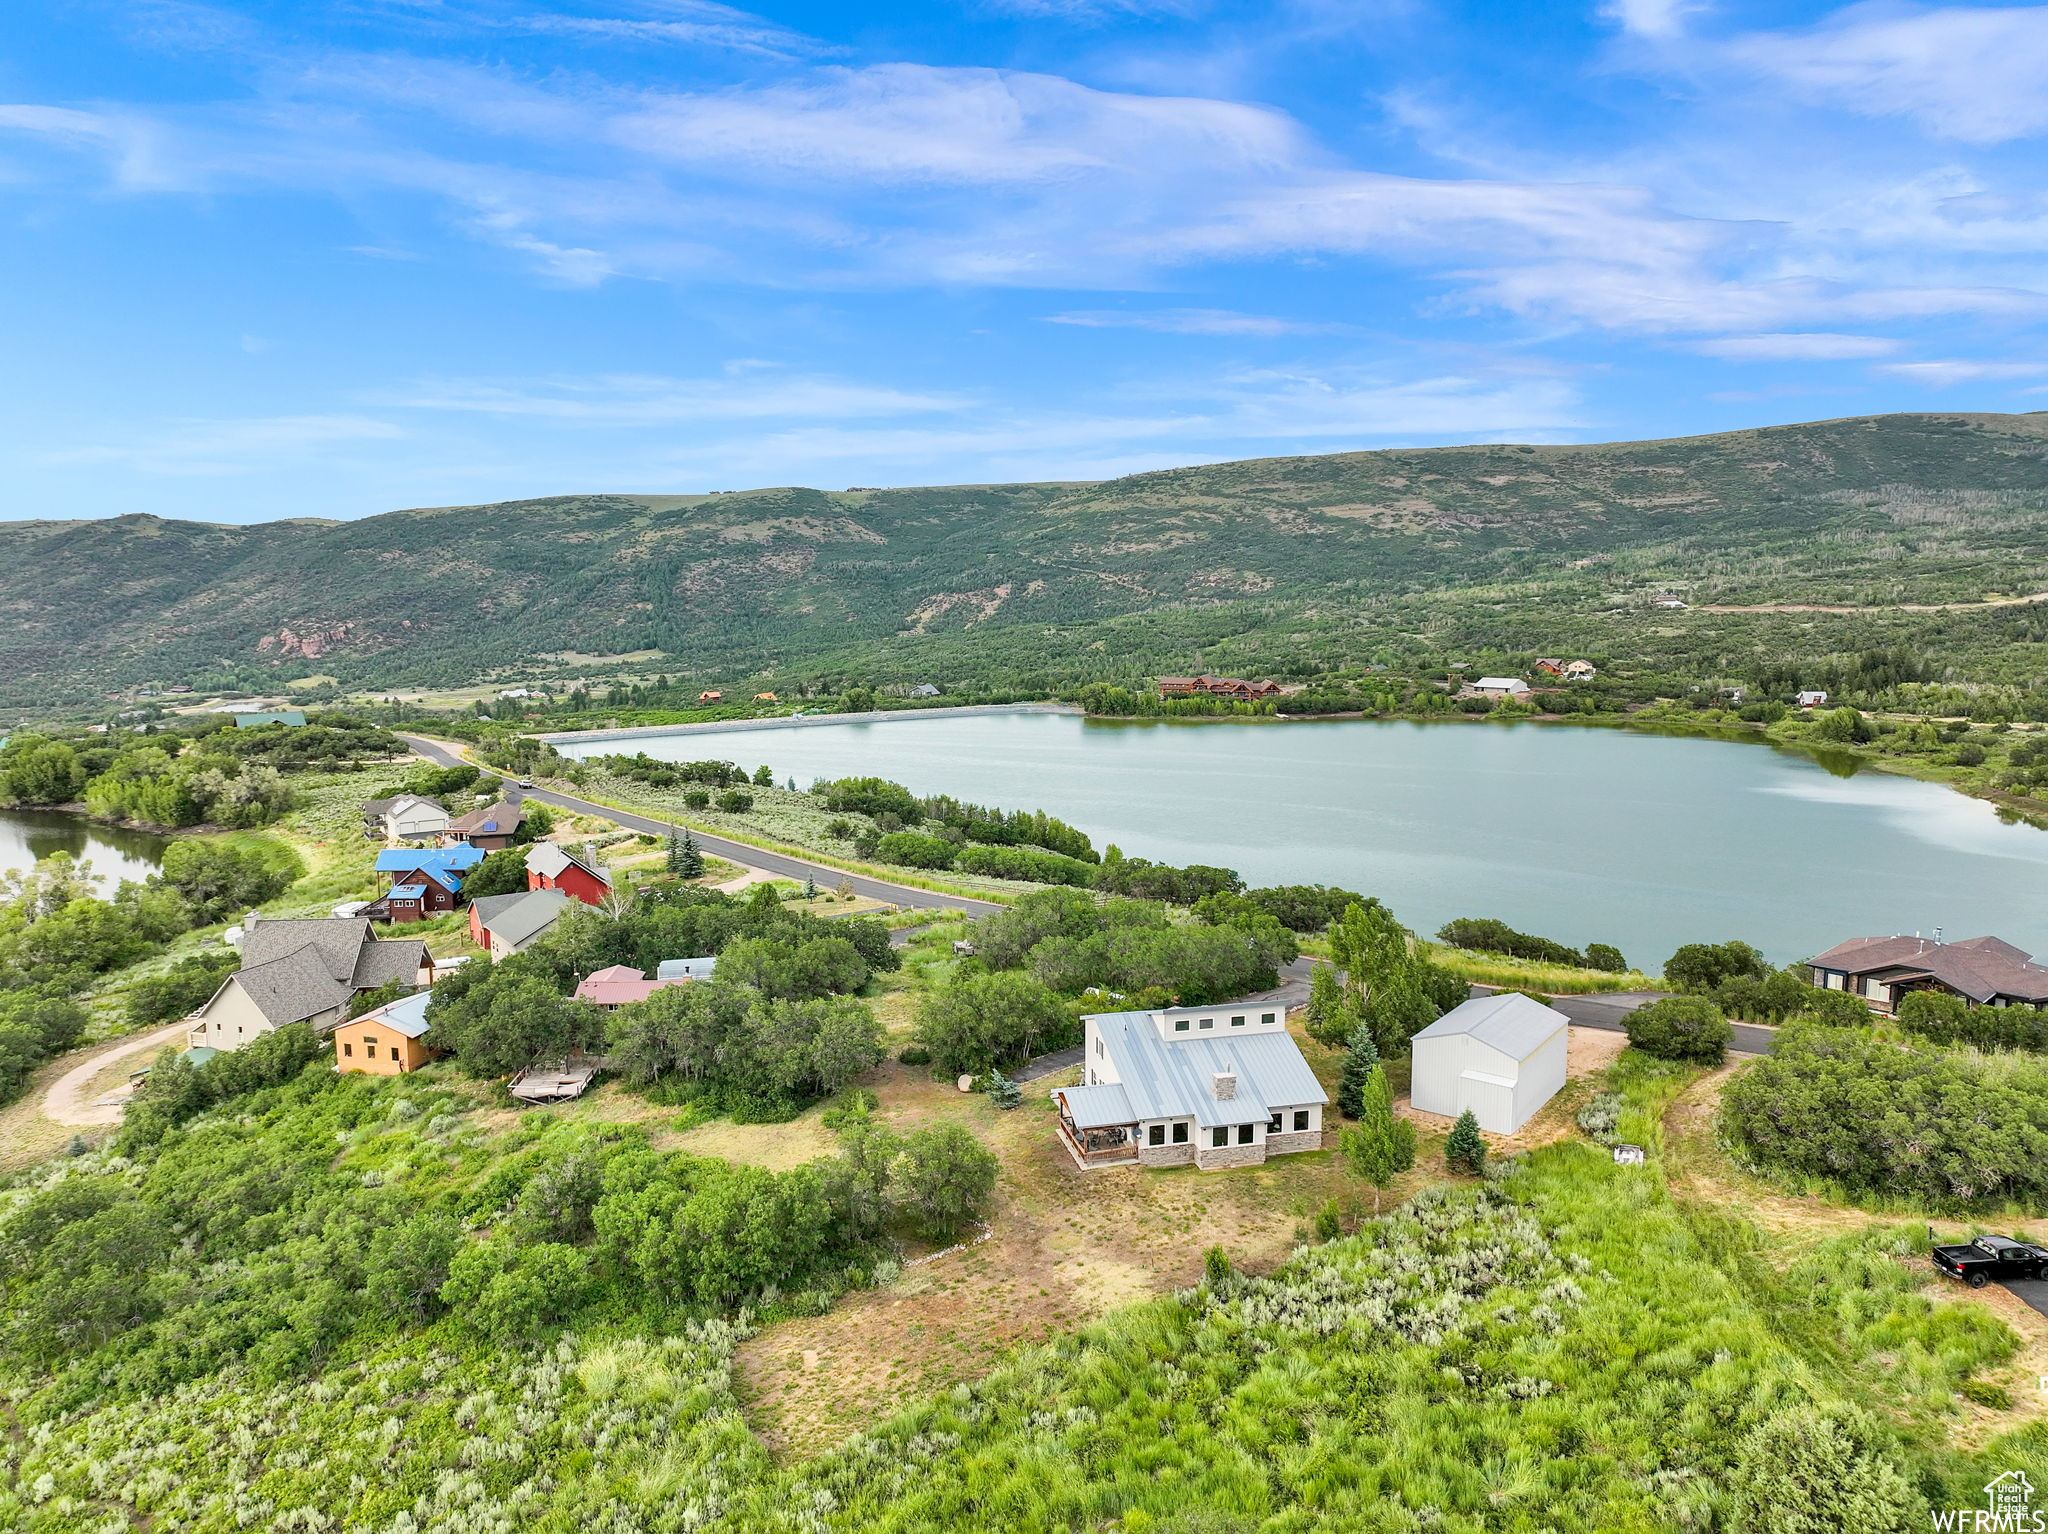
[2011, 1510]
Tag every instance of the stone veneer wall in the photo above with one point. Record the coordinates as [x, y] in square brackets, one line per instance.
[1166, 1155]
[1215, 1158]
[1294, 1140]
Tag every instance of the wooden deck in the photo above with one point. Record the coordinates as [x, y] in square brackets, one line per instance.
[1124, 1154]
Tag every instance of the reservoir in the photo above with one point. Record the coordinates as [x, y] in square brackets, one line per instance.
[1582, 835]
[115, 854]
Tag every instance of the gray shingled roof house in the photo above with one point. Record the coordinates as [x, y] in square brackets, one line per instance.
[1211, 1087]
[303, 971]
[505, 924]
[1881, 971]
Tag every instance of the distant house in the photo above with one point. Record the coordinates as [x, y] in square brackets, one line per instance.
[621, 985]
[285, 716]
[1216, 687]
[509, 924]
[713, 696]
[686, 969]
[1733, 694]
[303, 971]
[1502, 1057]
[1580, 671]
[1548, 667]
[417, 894]
[924, 690]
[1882, 971]
[1813, 697]
[549, 867]
[405, 817]
[518, 692]
[385, 1042]
[1670, 601]
[1512, 687]
[766, 697]
[493, 826]
[1212, 1087]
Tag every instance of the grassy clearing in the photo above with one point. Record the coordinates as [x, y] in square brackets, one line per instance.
[1512, 974]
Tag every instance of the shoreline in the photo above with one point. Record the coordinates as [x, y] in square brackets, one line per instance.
[801, 721]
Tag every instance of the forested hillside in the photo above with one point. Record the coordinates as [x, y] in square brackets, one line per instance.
[1300, 562]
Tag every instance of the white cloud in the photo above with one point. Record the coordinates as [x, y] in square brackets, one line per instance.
[224, 447]
[1974, 73]
[1817, 346]
[745, 393]
[1196, 322]
[686, 23]
[1651, 18]
[1947, 373]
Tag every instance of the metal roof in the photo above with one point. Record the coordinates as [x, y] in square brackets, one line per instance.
[1510, 1022]
[686, 969]
[407, 891]
[407, 1015]
[523, 917]
[1098, 1107]
[553, 860]
[1176, 1079]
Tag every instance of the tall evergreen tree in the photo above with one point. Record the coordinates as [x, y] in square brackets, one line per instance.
[1359, 1065]
[689, 857]
[1380, 1146]
[1465, 1150]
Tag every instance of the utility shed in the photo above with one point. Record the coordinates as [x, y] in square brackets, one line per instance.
[1502, 1056]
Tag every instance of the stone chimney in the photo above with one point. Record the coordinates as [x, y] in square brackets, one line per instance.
[1224, 1084]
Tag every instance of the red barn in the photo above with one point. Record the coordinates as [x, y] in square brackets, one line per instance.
[548, 867]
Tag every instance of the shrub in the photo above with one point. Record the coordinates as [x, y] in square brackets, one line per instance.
[916, 1054]
[1465, 1150]
[913, 849]
[1680, 1028]
[870, 796]
[1984, 1393]
[1600, 1119]
[1486, 935]
[985, 1020]
[697, 799]
[735, 801]
[1606, 957]
[1025, 864]
[1702, 966]
[1951, 1020]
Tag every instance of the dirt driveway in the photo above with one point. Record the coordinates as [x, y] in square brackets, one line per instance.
[73, 1099]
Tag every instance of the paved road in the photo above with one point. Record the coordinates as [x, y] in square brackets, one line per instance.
[2033, 1290]
[1606, 1010]
[735, 852]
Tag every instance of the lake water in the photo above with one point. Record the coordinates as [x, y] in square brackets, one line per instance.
[1582, 835]
[27, 835]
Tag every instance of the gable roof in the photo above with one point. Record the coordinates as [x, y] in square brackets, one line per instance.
[1505, 683]
[502, 817]
[552, 859]
[407, 1015]
[1978, 967]
[519, 918]
[292, 987]
[286, 716]
[1510, 1022]
[1164, 1080]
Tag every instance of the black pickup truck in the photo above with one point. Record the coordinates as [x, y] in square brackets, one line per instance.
[1990, 1257]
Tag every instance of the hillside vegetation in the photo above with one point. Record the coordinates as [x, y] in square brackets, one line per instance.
[1290, 565]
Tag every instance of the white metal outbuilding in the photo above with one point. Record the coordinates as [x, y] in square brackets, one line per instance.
[1502, 1056]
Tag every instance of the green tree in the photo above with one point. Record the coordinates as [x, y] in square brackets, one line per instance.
[496, 1019]
[37, 770]
[1605, 956]
[500, 873]
[1359, 1065]
[914, 849]
[943, 1180]
[983, 1020]
[1331, 1015]
[217, 878]
[1465, 1150]
[1699, 967]
[1380, 1146]
[1681, 1028]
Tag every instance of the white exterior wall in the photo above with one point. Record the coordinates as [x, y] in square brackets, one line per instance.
[1230, 1020]
[1451, 1074]
[417, 820]
[228, 1021]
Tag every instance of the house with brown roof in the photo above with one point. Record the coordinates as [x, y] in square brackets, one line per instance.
[493, 826]
[303, 971]
[1216, 687]
[1882, 971]
[621, 985]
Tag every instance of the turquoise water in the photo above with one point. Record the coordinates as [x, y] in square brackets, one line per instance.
[1583, 835]
[27, 835]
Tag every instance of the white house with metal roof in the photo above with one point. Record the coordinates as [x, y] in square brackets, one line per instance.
[1501, 1056]
[1210, 1087]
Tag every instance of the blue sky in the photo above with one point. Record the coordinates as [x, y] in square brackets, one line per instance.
[262, 260]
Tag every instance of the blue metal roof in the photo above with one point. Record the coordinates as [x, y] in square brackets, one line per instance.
[408, 891]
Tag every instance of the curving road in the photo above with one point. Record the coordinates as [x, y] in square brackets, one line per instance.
[733, 852]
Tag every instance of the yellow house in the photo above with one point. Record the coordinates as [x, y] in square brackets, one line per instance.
[385, 1042]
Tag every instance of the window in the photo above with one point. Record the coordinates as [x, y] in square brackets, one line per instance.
[348, 1049]
[1180, 1025]
[1237, 1022]
[1265, 1019]
[1208, 1022]
[1180, 1134]
[1244, 1133]
[1273, 1125]
[369, 1043]
[1158, 1135]
[1098, 1049]
[394, 1052]
[1300, 1119]
[1219, 1137]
